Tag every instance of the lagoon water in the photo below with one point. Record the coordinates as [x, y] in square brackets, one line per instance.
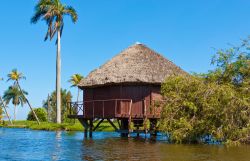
[25, 144]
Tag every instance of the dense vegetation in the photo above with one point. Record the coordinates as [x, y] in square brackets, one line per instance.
[41, 114]
[50, 105]
[216, 103]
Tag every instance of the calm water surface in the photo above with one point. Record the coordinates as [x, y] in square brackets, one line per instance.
[24, 144]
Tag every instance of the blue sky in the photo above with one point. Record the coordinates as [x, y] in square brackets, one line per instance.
[183, 31]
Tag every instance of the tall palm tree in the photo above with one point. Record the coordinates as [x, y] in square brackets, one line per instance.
[16, 96]
[15, 76]
[53, 12]
[75, 80]
[5, 107]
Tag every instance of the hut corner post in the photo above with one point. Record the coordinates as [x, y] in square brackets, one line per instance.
[88, 125]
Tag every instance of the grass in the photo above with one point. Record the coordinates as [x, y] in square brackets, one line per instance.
[48, 126]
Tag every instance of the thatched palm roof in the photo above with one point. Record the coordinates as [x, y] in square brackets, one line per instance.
[137, 64]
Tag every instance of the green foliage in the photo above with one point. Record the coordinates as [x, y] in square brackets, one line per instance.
[1, 113]
[15, 95]
[50, 105]
[41, 114]
[233, 66]
[216, 103]
[195, 108]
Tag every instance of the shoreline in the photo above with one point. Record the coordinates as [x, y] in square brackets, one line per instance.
[48, 126]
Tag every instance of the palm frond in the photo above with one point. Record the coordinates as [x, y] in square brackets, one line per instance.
[37, 17]
[41, 9]
[15, 95]
[52, 12]
[69, 10]
[75, 79]
[15, 75]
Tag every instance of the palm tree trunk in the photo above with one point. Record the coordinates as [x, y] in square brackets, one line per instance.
[5, 110]
[28, 103]
[78, 93]
[14, 112]
[48, 108]
[58, 78]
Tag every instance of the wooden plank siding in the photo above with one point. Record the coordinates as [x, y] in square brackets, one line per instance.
[114, 101]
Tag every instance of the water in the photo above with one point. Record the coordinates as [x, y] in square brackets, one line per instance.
[24, 144]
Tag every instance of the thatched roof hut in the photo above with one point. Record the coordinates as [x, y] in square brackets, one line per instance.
[126, 88]
[137, 64]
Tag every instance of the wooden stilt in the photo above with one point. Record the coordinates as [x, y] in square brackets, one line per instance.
[138, 134]
[119, 124]
[124, 127]
[112, 124]
[85, 124]
[153, 129]
[85, 132]
[98, 124]
[90, 128]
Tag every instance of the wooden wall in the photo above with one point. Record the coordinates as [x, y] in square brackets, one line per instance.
[138, 93]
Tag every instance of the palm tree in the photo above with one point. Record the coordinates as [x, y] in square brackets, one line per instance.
[51, 103]
[75, 80]
[5, 107]
[53, 12]
[16, 96]
[15, 76]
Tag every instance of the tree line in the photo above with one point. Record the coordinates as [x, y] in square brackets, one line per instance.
[17, 96]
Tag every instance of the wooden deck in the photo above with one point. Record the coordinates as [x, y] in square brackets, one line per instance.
[113, 109]
[124, 111]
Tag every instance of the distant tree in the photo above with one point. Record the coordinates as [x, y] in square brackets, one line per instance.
[53, 12]
[41, 114]
[66, 97]
[16, 96]
[3, 105]
[75, 79]
[15, 76]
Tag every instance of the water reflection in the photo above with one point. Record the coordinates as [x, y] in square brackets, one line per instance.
[57, 145]
[120, 149]
[23, 144]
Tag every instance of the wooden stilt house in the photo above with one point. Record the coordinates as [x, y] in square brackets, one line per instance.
[126, 88]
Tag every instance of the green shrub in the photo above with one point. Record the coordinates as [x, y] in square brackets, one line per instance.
[195, 108]
[41, 114]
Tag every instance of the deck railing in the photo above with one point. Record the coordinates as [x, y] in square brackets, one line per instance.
[121, 107]
[75, 108]
[78, 108]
